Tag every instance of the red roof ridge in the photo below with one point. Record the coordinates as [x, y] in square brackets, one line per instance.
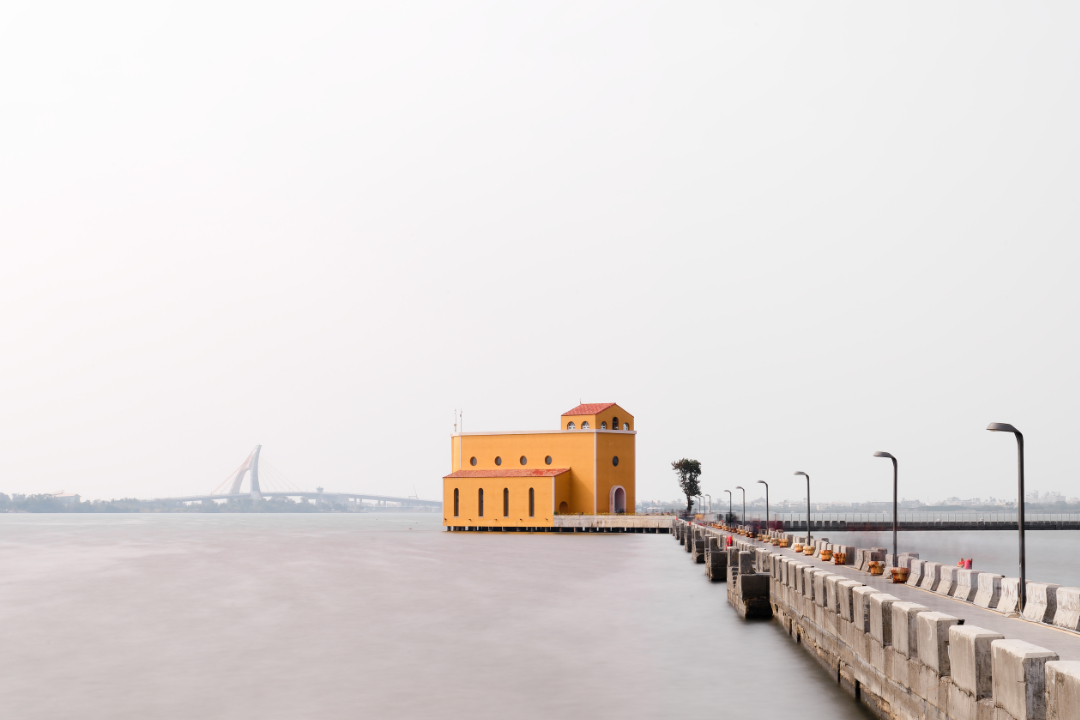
[588, 409]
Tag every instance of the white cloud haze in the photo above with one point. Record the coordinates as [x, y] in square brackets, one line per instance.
[782, 235]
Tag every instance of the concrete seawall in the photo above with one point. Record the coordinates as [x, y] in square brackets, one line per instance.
[910, 652]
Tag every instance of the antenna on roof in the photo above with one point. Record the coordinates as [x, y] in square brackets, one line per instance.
[455, 421]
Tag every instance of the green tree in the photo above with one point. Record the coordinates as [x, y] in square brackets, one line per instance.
[688, 471]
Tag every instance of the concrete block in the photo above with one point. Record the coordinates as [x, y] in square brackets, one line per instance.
[1062, 690]
[746, 563]
[915, 576]
[946, 580]
[989, 590]
[967, 584]
[843, 598]
[819, 587]
[832, 598]
[933, 629]
[1068, 608]
[808, 582]
[1009, 602]
[905, 633]
[860, 607]
[1019, 678]
[849, 553]
[881, 618]
[969, 657]
[931, 572]
[1041, 604]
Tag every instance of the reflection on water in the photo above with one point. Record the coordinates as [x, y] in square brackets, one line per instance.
[343, 616]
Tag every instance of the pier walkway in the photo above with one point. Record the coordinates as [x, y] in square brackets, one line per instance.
[1064, 642]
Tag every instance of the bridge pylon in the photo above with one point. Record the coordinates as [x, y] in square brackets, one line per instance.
[252, 465]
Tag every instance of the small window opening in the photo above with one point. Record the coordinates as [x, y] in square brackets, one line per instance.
[506, 502]
[614, 423]
[547, 460]
[480, 495]
[615, 461]
[455, 502]
[498, 461]
[585, 425]
[472, 461]
[524, 460]
[570, 425]
[532, 502]
[603, 424]
[626, 426]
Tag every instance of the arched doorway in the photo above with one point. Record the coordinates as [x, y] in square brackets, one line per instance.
[617, 501]
[563, 508]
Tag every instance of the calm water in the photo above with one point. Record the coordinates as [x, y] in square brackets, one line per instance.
[378, 616]
[1051, 554]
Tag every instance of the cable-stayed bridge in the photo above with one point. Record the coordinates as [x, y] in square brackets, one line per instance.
[266, 481]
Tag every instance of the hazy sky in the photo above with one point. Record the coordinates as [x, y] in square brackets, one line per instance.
[782, 235]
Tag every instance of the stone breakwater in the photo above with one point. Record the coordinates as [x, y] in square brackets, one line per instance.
[893, 646]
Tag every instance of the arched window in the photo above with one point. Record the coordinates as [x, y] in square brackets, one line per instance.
[472, 461]
[626, 426]
[547, 460]
[563, 509]
[570, 425]
[532, 503]
[455, 502]
[524, 460]
[498, 461]
[603, 424]
[480, 495]
[585, 425]
[506, 502]
[615, 461]
[614, 423]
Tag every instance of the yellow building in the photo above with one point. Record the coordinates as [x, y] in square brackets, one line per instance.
[524, 479]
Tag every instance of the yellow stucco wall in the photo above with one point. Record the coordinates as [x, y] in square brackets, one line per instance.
[572, 450]
[608, 475]
[469, 501]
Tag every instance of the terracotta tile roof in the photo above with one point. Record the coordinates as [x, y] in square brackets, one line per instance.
[499, 473]
[589, 409]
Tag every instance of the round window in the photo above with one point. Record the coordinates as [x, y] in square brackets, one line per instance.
[585, 425]
[615, 460]
[603, 425]
[498, 461]
[547, 460]
[524, 460]
[626, 426]
[472, 461]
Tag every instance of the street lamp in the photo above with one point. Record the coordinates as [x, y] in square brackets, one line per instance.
[800, 472]
[710, 502]
[762, 482]
[740, 487]
[1005, 427]
[894, 522]
[728, 506]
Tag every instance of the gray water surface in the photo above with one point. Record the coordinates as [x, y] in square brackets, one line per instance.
[365, 615]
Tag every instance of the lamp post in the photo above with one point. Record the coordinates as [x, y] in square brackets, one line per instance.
[894, 521]
[762, 482]
[740, 487]
[1005, 427]
[800, 472]
[728, 506]
[710, 502]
